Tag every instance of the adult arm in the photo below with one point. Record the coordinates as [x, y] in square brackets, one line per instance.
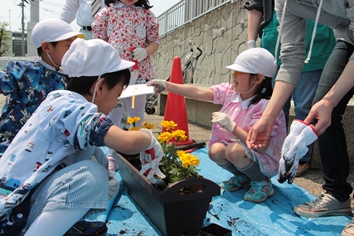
[70, 9]
[254, 20]
[293, 36]
[322, 110]
[259, 134]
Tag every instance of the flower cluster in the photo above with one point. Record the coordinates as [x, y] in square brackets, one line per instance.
[133, 120]
[177, 164]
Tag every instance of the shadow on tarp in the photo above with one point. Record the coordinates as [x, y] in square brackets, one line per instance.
[229, 210]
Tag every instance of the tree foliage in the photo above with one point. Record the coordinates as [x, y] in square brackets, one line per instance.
[4, 38]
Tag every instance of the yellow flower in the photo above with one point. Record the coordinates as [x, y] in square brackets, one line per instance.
[133, 128]
[133, 120]
[164, 137]
[168, 124]
[147, 125]
[187, 159]
[179, 134]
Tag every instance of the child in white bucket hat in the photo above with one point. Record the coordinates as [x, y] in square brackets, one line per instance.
[243, 102]
[48, 166]
[27, 83]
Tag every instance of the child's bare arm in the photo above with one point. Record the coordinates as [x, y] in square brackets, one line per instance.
[186, 90]
[129, 142]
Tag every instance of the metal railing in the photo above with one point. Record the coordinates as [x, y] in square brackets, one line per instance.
[5, 60]
[186, 11]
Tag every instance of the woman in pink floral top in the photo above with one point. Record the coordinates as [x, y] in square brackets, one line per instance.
[243, 102]
[131, 28]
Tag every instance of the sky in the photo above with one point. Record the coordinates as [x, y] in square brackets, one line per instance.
[12, 13]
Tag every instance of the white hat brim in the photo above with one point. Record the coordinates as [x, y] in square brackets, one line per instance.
[125, 65]
[240, 68]
[70, 35]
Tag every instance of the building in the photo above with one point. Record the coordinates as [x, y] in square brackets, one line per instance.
[17, 44]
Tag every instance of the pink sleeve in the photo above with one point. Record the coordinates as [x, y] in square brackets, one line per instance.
[152, 28]
[99, 26]
[220, 92]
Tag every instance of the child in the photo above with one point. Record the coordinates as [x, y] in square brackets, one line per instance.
[26, 83]
[243, 103]
[48, 168]
[129, 24]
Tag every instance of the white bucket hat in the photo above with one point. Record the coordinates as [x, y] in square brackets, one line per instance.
[255, 61]
[52, 30]
[93, 57]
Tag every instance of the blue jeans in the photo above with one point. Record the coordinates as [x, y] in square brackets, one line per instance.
[332, 143]
[302, 96]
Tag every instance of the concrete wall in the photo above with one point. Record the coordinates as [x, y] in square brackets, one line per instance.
[221, 34]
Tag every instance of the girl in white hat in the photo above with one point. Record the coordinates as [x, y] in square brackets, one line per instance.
[243, 102]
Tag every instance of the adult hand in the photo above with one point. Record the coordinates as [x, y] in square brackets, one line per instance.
[159, 84]
[259, 134]
[321, 111]
[224, 120]
[139, 54]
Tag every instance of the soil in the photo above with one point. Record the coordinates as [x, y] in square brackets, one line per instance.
[135, 161]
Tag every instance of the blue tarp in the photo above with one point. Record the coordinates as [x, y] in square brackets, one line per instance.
[229, 210]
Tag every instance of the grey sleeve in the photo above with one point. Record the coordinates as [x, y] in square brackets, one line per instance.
[292, 30]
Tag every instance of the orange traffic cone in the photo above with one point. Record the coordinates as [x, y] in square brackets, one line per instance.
[175, 109]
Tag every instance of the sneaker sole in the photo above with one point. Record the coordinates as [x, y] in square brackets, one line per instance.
[234, 189]
[314, 214]
[261, 200]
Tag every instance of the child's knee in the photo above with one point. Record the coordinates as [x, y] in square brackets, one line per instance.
[234, 152]
[216, 152]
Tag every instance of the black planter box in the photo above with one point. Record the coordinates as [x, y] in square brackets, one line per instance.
[214, 230]
[172, 212]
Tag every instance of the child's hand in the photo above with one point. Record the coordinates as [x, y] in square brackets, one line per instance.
[139, 54]
[159, 84]
[150, 159]
[224, 120]
[113, 184]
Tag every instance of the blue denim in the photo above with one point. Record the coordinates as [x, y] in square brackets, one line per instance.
[332, 143]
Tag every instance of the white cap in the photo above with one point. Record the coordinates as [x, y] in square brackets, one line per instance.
[93, 57]
[255, 61]
[52, 30]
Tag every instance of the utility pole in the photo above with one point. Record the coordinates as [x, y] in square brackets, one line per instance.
[22, 4]
[10, 19]
[34, 19]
